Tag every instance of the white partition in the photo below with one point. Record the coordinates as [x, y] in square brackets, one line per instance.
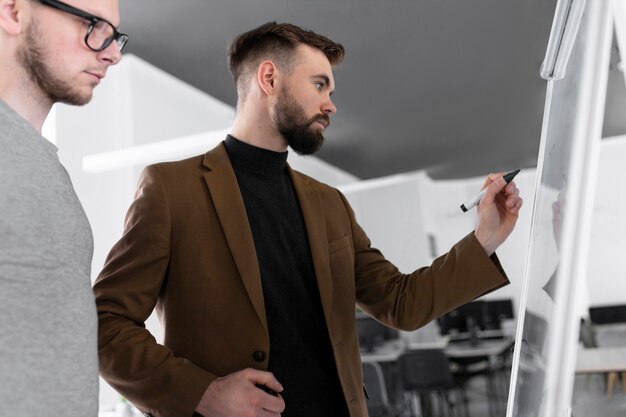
[389, 210]
[606, 274]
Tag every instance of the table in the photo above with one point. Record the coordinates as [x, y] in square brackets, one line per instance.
[484, 348]
[610, 360]
[602, 359]
[390, 351]
[620, 327]
[490, 349]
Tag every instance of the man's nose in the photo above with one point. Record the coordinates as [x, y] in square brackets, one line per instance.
[111, 54]
[329, 107]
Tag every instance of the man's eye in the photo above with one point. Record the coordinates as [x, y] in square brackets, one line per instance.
[319, 86]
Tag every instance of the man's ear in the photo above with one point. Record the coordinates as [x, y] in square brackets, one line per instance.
[266, 77]
[12, 16]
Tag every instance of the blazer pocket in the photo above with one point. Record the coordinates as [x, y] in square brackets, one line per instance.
[338, 244]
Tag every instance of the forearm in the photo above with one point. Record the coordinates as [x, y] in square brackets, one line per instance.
[409, 301]
[150, 375]
[146, 373]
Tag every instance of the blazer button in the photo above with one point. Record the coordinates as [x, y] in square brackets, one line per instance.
[258, 355]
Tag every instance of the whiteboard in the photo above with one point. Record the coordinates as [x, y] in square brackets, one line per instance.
[546, 339]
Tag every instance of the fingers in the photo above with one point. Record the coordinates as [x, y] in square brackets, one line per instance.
[265, 413]
[516, 206]
[493, 185]
[507, 195]
[513, 202]
[269, 403]
[492, 177]
[263, 378]
[265, 383]
[237, 394]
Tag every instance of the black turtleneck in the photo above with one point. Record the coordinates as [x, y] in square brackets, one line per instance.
[300, 355]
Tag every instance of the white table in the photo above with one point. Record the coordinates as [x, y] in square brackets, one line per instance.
[602, 359]
[391, 351]
[484, 347]
[610, 360]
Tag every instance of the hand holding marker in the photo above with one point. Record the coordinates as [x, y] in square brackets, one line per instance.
[476, 199]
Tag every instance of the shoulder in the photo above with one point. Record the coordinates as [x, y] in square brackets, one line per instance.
[214, 159]
[182, 166]
[330, 197]
[318, 186]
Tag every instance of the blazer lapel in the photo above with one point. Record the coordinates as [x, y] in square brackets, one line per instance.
[315, 223]
[231, 211]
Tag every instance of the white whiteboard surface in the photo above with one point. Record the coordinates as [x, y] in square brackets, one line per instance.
[547, 334]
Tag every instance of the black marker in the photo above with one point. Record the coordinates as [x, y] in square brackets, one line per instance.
[267, 389]
[476, 199]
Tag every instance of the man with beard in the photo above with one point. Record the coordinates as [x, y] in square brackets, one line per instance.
[255, 269]
[49, 52]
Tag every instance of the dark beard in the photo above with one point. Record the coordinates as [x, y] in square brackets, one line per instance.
[32, 58]
[295, 128]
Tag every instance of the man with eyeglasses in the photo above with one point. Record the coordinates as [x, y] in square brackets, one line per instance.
[50, 52]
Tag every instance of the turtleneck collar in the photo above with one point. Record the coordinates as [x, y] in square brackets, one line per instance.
[245, 156]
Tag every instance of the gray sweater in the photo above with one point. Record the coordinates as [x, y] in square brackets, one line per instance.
[48, 326]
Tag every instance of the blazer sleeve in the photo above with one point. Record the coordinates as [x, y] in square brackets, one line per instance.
[409, 301]
[131, 361]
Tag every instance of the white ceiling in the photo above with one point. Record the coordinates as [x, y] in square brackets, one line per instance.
[450, 86]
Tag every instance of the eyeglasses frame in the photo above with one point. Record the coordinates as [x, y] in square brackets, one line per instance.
[93, 19]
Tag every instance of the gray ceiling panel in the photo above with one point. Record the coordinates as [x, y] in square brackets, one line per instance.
[450, 86]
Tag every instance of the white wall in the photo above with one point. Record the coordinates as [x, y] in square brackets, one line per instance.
[388, 209]
[607, 256]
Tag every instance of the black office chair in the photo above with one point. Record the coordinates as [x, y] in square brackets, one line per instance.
[497, 311]
[608, 314]
[372, 333]
[378, 404]
[424, 372]
[468, 368]
[587, 335]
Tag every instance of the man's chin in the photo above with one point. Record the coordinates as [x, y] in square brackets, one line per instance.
[76, 99]
[310, 149]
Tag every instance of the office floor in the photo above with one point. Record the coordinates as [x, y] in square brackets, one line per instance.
[479, 402]
[589, 398]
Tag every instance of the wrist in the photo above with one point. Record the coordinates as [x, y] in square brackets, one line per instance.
[485, 241]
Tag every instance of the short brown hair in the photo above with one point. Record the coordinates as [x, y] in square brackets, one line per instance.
[276, 41]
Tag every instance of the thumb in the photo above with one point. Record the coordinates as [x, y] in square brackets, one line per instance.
[264, 378]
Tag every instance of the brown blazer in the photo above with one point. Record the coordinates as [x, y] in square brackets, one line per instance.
[187, 250]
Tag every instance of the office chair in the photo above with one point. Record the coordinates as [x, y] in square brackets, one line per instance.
[467, 368]
[372, 333]
[587, 335]
[497, 311]
[378, 404]
[608, 314]
[424, 372]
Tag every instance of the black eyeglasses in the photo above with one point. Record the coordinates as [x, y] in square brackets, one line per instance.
[100, 33]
